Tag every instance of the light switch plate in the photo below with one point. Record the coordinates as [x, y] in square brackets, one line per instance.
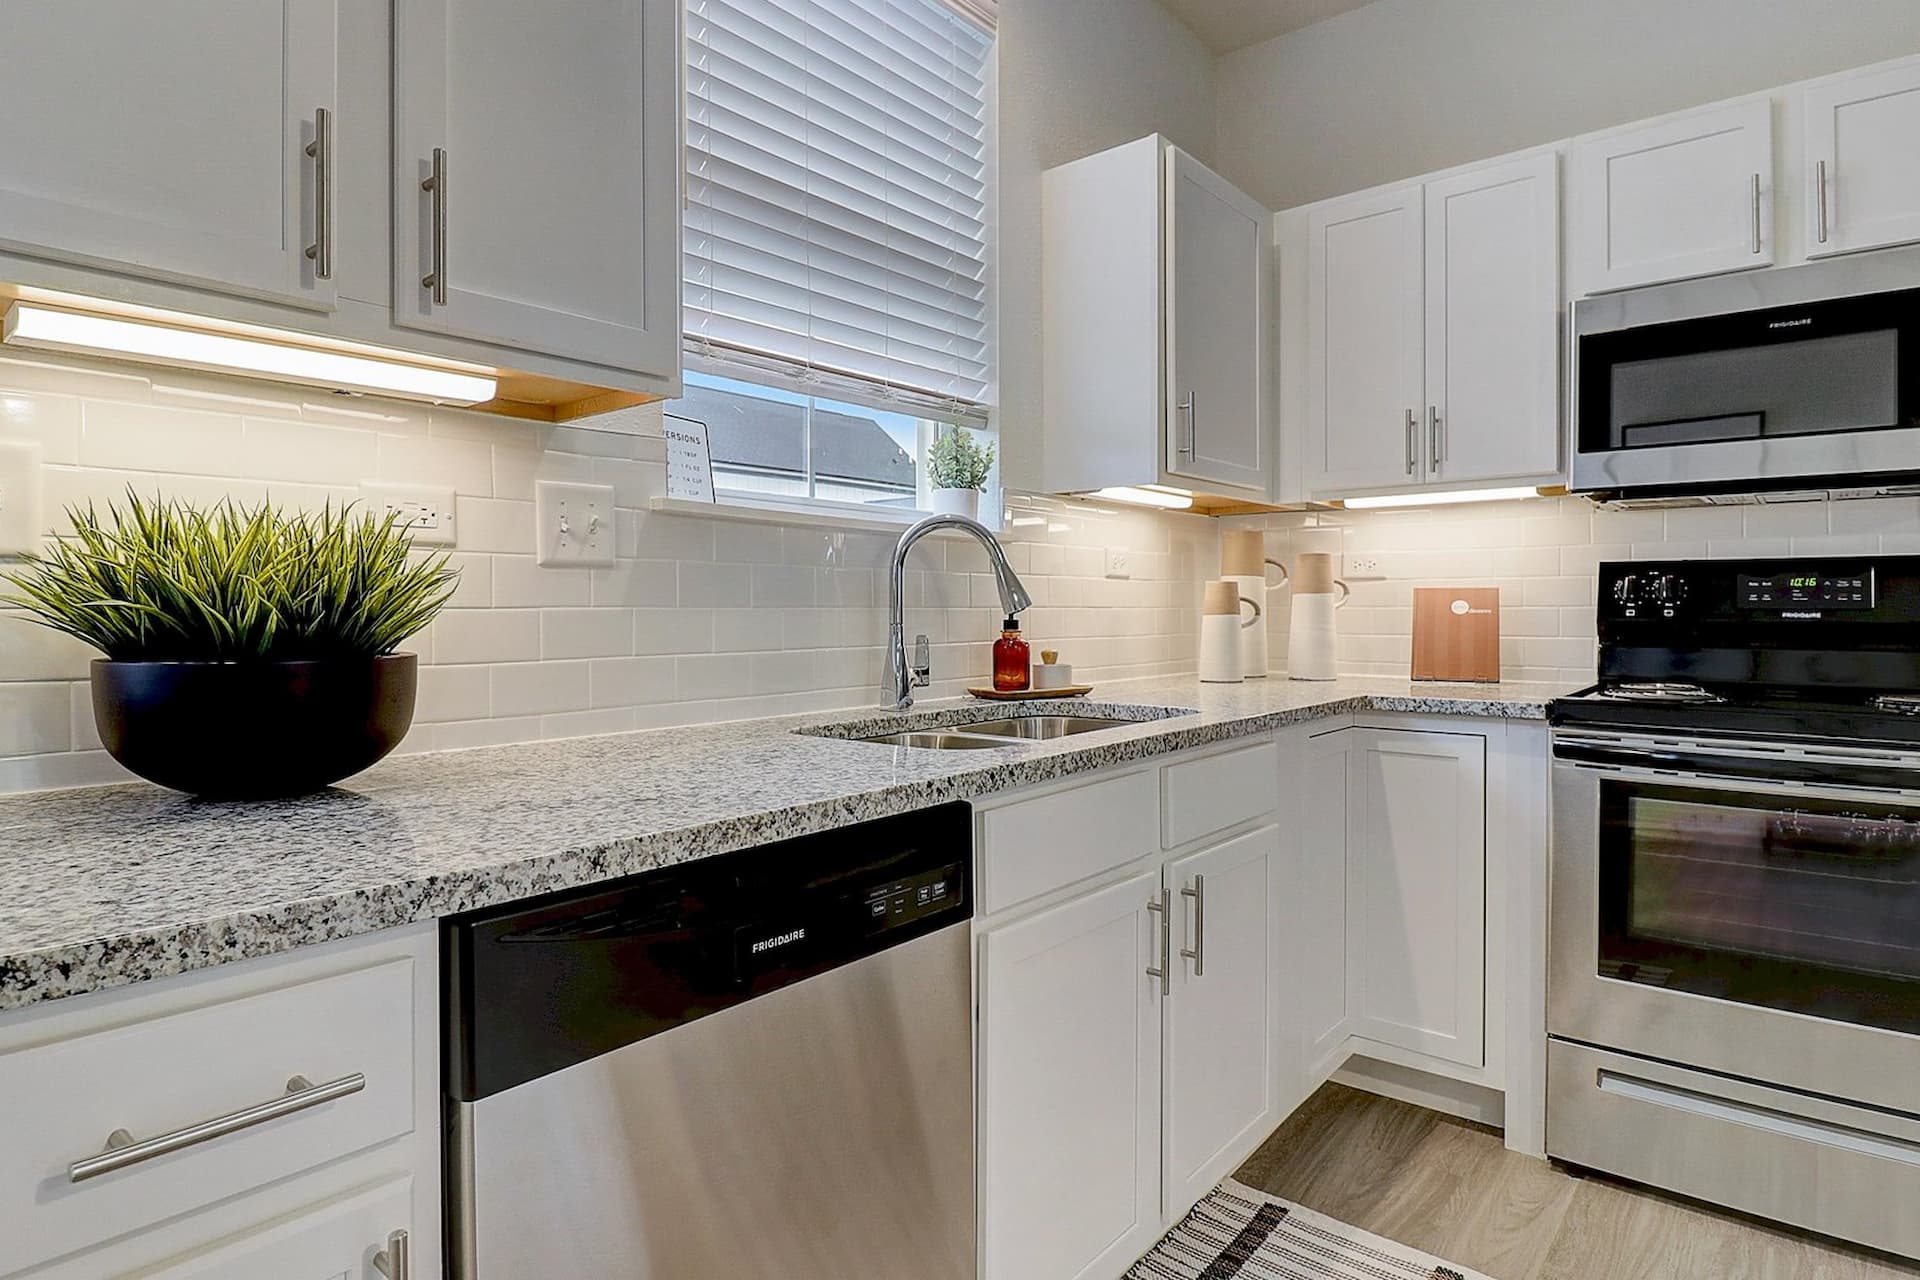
[23, 527]
[425, 511]
[573, 523]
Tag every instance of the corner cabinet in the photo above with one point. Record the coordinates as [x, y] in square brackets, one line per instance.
[1158, 325]
[536, 193]
[1432, 333]
[1689, 195]
[1131, 1046]
[169, 142]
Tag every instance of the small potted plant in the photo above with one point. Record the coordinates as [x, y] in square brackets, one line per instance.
[958, 466]
[250, 654]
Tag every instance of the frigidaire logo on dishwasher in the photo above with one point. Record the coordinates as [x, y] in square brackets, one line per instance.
[777, 940]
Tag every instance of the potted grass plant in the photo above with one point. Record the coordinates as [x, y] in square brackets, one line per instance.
[958, 466]
[249, 653]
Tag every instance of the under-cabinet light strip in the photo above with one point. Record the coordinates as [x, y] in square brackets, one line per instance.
[53, 329]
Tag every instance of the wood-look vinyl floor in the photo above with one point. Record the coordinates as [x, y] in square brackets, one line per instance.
[1452, 1189]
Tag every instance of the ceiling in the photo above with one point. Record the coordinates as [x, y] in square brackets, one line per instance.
[1226, 25]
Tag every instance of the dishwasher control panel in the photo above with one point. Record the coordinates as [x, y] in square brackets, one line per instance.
[915, 897]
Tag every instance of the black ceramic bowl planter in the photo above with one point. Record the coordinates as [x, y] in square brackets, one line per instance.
[253, 730]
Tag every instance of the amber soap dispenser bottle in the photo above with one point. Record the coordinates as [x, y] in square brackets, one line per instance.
[1012, 659]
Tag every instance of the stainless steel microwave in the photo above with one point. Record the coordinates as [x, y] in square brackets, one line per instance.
[1802, 378]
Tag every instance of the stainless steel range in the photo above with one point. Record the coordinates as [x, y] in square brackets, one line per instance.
[1734, 974]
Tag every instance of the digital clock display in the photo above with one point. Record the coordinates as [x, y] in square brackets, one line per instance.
[1807, 592]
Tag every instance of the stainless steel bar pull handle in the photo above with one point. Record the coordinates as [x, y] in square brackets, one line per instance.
[1820, 197]
[1191, 413]
[123, 1151]
[393, 1261]
[1435, 438]
[1413, 447]
[435, 281]
[1163, 907]
[1756, 213]
[320, 252]
[1197, 894]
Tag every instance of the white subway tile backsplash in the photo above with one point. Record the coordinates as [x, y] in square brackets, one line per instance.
[700, 618]
[585, 633]
[539, 688]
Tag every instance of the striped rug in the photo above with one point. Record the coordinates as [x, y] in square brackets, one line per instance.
[1238, 1233]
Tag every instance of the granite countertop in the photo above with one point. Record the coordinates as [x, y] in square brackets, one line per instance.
[112, 885]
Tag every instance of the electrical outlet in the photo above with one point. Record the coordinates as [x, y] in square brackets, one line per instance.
[574, 523]
[422, 510]
[21, 527]
[1119, 563]
[1364, 568]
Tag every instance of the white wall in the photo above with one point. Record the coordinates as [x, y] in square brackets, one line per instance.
[1076, 77]
[700, 620]
[1403, 87]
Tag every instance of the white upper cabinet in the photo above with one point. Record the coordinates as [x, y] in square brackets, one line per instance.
[1364, 341]
[1863, 160]
[537, 176]
[1493, 322]
[1432, 332]
[1157, 326]
[170, 141]
[1219, 285]
[1417, 858]
[1687, 196]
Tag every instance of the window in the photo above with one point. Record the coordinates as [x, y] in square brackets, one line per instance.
[837, 273]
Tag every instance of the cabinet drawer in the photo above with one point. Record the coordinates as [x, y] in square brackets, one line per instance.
[1217, 792]
[1034, 846]
[202, 1067]
[329, 1242]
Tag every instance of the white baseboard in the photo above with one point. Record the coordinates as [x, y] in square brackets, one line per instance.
[1418, 1088]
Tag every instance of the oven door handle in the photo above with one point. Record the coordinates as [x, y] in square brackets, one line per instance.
[1746, 784]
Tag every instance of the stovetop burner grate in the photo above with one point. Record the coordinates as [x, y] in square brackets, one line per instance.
[1660, 691]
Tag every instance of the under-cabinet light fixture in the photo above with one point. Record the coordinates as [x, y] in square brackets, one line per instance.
[82, 333]
[1439, 499]
[1146, 497]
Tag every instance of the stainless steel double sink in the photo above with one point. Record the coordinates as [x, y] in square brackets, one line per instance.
[997, 733]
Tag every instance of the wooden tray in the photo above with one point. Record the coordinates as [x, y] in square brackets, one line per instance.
[1031, 695]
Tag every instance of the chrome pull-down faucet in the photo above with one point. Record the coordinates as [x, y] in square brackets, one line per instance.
[1014, 600]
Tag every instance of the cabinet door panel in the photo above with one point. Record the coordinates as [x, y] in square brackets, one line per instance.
[1863, 131]
[1223, 1020]
[167, 140]
[1218, 256]
[1418, 854]
[331, 1242]
[1364, 338]
[1493, 311]
[1320, 950]
[1673, 200]
[1070, 1087]
[560, 125]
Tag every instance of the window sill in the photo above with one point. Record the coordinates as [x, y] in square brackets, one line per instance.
[892, 521]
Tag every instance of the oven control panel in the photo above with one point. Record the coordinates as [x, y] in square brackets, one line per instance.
[1788, 591]
[1650, 595]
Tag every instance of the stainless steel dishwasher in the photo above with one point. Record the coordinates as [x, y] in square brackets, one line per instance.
[752, 1065]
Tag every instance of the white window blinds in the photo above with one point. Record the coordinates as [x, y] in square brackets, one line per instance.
[836, 223]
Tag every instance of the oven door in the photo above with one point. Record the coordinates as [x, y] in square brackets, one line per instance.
[1747, 908]
[1788, 386]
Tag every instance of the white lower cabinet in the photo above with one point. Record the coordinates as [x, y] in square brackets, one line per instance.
[1417, 859]
[1318, 904]
[1069, 1087]
[1130, 1041]
[329, 1242]
[1222, 1020]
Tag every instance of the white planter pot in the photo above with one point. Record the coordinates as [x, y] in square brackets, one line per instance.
[957, 502]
